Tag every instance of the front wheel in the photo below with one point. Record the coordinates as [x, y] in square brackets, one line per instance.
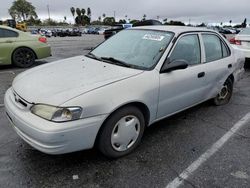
[122, 132]
[225, 93]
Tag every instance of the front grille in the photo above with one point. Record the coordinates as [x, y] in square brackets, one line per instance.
[19, 100]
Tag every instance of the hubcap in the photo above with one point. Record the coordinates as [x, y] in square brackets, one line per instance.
[24, 57]
[125, 133]
[223, 93]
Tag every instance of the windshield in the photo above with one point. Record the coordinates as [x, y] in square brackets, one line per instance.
[135, 48]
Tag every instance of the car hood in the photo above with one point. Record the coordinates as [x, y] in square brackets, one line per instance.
[57, 82]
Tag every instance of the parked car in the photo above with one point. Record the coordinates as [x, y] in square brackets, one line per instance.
[92, 30]
[75, 32]
[117, 28]
[101, 31]
[108, 97]
[113, 30]
[20, 48]
[242, 42]
[62, 32]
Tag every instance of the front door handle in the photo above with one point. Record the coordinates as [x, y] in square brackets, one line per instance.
[201, 74]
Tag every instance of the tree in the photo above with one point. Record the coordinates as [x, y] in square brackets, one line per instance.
[81, 18]
[22, 10]
[73, 11]
[83, 11]
[144, 17]
[122, 21]
[65, 18]
[99, 18]
[32, 21]
[230, 21]
[78, 12]
[244, 24]
[134, 21]
[103, 15]
[175, 23]
[89, 12]
[78, 19]
[165, 21]
[202, 25]
[109, 21]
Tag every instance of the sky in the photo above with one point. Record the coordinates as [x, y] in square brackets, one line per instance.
[193, 11]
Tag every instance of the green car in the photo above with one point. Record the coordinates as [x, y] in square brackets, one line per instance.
[21, 49]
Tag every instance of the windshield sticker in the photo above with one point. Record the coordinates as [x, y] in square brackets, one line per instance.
[153, 37]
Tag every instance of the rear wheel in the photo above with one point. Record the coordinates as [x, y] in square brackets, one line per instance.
[23, 57]
[122, 132]
[225, 93]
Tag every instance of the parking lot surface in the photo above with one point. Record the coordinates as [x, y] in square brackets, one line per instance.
[168, 149]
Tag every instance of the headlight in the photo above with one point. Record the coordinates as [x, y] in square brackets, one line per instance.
[56, 114]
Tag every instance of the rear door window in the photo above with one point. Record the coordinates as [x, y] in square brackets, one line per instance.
[215, 48]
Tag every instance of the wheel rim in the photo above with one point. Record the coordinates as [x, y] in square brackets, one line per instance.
[223, 93]
[125, 133]
[24, 57]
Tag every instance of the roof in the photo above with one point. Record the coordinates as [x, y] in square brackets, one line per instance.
[175, 29]
[7, 27]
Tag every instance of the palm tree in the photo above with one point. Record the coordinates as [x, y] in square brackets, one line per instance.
[144, 17]
[78, 18]
[103, 15]
[89, 12]
[72, 9]
[83, 11]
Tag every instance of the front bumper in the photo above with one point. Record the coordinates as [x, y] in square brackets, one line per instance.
[50, 137]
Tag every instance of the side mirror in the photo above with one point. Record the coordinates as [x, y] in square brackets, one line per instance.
[174, 65]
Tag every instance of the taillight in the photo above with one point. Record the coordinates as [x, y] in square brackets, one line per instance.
[234, 41]
[43, 39]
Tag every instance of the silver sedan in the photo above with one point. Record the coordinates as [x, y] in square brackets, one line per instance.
[108, 97]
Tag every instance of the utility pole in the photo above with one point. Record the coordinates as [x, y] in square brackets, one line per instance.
[48, 12]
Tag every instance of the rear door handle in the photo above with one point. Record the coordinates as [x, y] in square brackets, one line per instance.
[229, 66]
[201, 74]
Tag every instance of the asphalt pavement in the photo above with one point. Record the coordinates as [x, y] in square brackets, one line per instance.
[178, 145]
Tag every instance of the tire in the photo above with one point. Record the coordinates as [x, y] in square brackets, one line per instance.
[23, 57]
[115, 139]
[225, 94]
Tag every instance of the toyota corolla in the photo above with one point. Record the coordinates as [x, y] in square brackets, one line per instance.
[108, 97]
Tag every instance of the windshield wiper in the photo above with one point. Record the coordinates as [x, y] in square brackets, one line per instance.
[93, 56]
[116, 61]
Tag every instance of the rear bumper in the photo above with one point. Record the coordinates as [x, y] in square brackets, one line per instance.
[244, 50]
[50, 137]
[43, 52]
